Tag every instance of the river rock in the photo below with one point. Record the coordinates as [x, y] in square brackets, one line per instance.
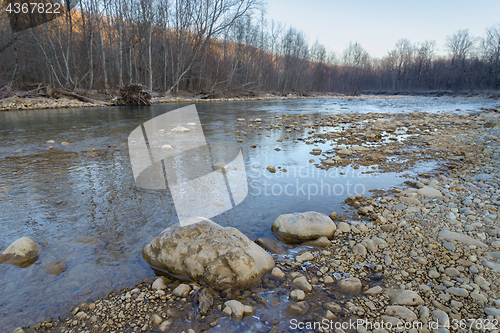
[404, 297]
[452, 272]
[302, 283]
[22, 252]
[238, 310]
[297, 309]
[55, 267]
[182, 290]
[442, 317]
[343, 227]
[374, 290]
[156, 319]
[206, 300]
[306, 256]
[320, 242]
[429, 191]
[271, 169]
[401, 312]
[18, 330]
[159, 284]
[297, 295]
[270, 246]
[370, 245]
[303, 226]
[278, 273]
[360, 250]
[482, 176]
[479, 297]
[350, 286]
[461, 292]
[492, 312]
[209, 254]
[459, 237]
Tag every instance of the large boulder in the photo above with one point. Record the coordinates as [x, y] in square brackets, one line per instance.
[209, 254]
[22, 252]
[298, 227]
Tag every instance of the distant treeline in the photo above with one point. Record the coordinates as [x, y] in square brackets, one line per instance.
[219, 45]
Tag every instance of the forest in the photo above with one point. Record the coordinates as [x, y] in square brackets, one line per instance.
[222, 45]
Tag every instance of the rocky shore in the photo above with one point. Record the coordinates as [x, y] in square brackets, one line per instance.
[18, 103]
[423, 257]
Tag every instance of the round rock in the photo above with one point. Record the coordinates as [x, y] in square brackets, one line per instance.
[303, 226]
[22, 252]
[350, 286]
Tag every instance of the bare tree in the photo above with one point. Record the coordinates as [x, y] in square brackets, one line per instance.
[490, 46]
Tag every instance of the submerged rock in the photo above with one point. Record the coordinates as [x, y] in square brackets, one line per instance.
[206, 300]
[209, 254]
[303, 226]
[55, 267]
[270, 245]
[22, 252]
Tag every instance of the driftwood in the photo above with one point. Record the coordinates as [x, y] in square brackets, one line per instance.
[133, 95]
[43, 91]
[65, 92]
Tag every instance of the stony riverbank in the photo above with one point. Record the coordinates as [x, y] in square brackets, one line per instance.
[18, 103]
[422, 252]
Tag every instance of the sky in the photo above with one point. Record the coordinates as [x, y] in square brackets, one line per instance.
[378, 24]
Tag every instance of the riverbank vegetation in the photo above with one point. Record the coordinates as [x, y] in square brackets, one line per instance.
[211, 47]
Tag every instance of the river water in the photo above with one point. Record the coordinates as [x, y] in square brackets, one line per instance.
[86, 210]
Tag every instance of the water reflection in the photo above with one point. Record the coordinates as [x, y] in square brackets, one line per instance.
[62, 195]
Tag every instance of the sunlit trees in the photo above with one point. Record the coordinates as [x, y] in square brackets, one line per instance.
[356, 64]
[461, 47]
[216, 46]
[490, 46]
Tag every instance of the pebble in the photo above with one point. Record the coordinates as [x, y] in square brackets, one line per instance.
[401, 312]
[182, 290]
[302, 283]
[343, 227]
[478, 297]
[404, 297]
[159, 284]
[297, 295]
[350, 286]
[271, 169]
[452, 272]
[303, 257]
[360, 250]
[374, 290]
[461, 292]
[278, 273]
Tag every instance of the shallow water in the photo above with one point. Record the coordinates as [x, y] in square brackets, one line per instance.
[62, 195]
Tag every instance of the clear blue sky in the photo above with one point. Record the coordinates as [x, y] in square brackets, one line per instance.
[378, 24]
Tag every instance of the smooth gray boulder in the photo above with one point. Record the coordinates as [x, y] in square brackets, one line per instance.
[22, 252]
[298, 227]
[459, 237]
[209, 254]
